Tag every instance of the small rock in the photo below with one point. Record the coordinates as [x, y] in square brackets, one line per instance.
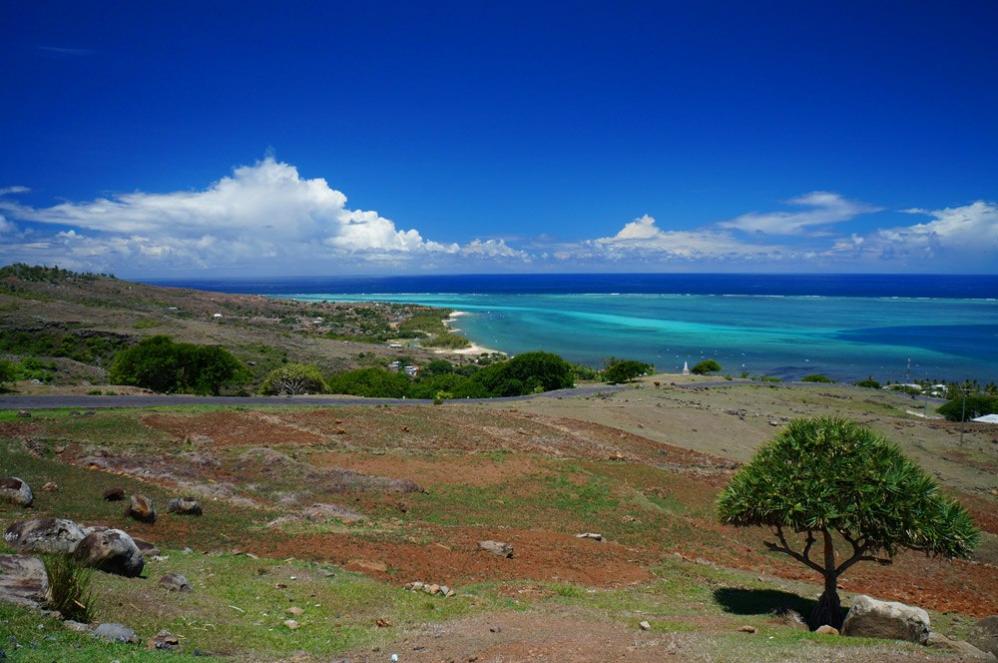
[383, 623]
[50, 487]
[175, 582]
[589, 535]
[164, 640]
[115, 633]
[774, 422]
[292, 624]
[747, 629]
[295, 611]
[827, 629]
[184, 506]
[496, 548]
[791, 618]
[495, 629]
[114, 494]
[77, 626]
[24, 414]
[645, 626]
[141, 509]
[15, 491]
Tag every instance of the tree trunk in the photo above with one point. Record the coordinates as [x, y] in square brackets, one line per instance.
[829, 609]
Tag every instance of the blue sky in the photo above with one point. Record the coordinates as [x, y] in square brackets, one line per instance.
[333, 138]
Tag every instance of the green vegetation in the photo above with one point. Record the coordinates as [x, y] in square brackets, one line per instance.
[529, 373]
[41, 274]
[963, 407]
[86, 347]
[294, 379]
[69, 585]
[706, 367]
[159, 364]
[617, 371]
[817, 377]
[868, 383]
[825, 476]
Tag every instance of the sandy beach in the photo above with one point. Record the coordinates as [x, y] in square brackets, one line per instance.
[472, 350]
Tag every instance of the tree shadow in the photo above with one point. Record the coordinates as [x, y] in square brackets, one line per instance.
[742, 601]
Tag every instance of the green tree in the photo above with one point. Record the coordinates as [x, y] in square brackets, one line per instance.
[159, 364]
[706, 366]
[836, 481]
[293, 379]
[963, 407]
[625, 370]
[527, 373]
[370, 382]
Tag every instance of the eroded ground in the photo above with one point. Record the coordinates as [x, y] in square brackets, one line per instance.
[334, 509]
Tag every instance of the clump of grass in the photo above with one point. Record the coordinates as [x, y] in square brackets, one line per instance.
[69, 585]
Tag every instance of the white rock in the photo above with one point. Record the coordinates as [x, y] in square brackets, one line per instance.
[871, 618]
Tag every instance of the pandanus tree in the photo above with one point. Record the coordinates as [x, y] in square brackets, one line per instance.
[842, 485]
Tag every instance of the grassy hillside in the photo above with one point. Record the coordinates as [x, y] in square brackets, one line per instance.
[70, 325]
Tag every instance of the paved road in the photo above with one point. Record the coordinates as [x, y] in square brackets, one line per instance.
[9, 402]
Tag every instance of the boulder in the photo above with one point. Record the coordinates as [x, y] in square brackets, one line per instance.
[984, 634]
[141, 509]
[175, 583]
[16, 491]
[23, 580]
[115, 633]
[114, 494]
[871, 618]
[184, 506]
[965, 650]
[496, 548]
[112, 551]
[44, 535]
[827, 629]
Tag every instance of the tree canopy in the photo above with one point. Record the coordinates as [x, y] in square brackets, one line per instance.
[159, 364]
[625, 370]
[827, 476]
[706, 366]
[293, 379]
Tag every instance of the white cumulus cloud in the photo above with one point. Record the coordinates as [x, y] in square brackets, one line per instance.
[644, 237]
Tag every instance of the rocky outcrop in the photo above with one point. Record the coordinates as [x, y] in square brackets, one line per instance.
[23, 580]
[984, 635]
[871, 618]
[184, 506]
[112, 551]
[141, 509]
[44, 535]
[965, 650]
[15, 491]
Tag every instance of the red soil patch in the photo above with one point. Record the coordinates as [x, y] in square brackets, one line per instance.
[468, 469]
[233, 428]
[456, 559]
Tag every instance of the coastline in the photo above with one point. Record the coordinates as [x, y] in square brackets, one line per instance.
[472, 350]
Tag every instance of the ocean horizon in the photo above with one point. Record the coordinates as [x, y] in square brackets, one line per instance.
[849, 327]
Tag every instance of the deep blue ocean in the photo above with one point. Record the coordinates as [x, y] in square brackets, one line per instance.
[846, 326]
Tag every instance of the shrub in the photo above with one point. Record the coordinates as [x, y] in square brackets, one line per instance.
[970, 406]
[868, 383]
[447, 339]
[706, 366]
[69, 588]
[458, 386]
[829, 478]
[817, 377]
[625, 370]
[370, 382]
[293, 379]
[6, 371]
[438, 367]
[583, 372]
[526, 374]
[159, 364]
